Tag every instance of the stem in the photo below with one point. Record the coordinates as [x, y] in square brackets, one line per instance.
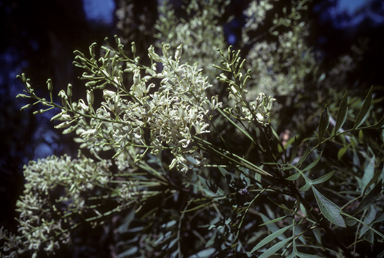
[320, 219]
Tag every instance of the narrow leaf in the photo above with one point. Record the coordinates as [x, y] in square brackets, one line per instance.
[293, 177]
[317, 233]
[322, 179]
[367, 220]
[241, 129]
[380, 123]
[364, 111]
[304, 156]
[330, 210]
[295, 148]
[274, 248]
[380, 255]
[314, 163]
[342, 113]
[223, 171]
[302, 255]
[378, 175]
[368, 173]
[324, 122]
[362, 223]
[307, 185]
[341, 152]
[272, 227]
[370, 198]
[273, 221]
[379, 219]
[270, 238]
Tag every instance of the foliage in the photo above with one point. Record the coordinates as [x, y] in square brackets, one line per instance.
[182, 168]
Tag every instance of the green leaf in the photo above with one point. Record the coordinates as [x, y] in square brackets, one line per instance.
[271, 227]
[378, 175]
[342, 113]
[330, 210]
[270, 238]
[341, 152]
[314, 163]
[304, 156]
[317, 233]
[293, 177]
[204, 253]
[302, 255]
[295, 148]
[367, 220]
[324, 122]
[379, 219]
[380, 255]
[370, 198]
[241, 129]
[380, 123]
[362, 223]
[129, 252]
[307, 185]
[322, 179]
[275, 248]
[128, 219]
[368, 174]
[273, 221]
[223, 171]
[364, 111]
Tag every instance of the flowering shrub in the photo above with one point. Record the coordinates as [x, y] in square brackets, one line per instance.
[198, 174]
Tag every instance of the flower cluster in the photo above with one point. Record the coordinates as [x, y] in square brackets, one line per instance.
[200, 35]
[40, 223]
[147, 116]
[257, 110]
[279, 66]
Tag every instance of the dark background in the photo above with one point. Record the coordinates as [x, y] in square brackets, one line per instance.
[38, 39]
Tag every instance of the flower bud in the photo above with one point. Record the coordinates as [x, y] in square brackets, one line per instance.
[82, 105]
[69, 90]
[25, 107]
[22, 96]
[152, 55]
[165, 48]
[74, 106]
[57, 116]
[49, 83]
[41, 111]
[107, 94]
[91, 83]
[179, 50]
[62, 125]
[70, 129]
[92, 49]
[133, 47]
[136, 77]
[90, 97]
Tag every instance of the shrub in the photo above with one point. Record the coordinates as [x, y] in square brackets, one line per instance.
[197, 171]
